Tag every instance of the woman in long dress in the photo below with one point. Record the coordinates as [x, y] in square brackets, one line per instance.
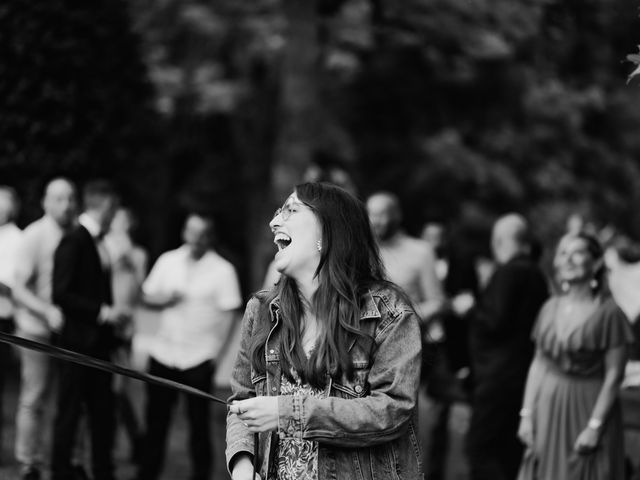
[570, 419]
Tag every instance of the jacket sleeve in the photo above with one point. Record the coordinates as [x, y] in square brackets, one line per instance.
[239, 438]
[377, 418]
[65, 268]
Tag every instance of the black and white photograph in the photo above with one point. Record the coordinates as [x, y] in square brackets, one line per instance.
[320, 240]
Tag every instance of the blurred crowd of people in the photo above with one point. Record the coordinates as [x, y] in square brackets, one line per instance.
[75, 278]
[489, 337]
[539, 356]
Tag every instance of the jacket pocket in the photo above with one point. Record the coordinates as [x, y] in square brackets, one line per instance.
[356, 387]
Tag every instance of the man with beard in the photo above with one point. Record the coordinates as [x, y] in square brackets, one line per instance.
[81, 287]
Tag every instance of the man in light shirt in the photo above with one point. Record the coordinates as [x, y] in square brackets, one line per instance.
[409, 262]
[37, 317]
[197, 293]
[10, 237]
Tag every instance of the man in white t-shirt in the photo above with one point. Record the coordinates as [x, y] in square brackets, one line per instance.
[197, 292]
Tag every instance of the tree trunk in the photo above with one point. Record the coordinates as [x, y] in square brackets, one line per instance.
[295, 118]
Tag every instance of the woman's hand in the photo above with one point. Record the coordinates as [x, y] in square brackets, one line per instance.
[243, 469]
[259, 414]
[587, 441]
[525, 431]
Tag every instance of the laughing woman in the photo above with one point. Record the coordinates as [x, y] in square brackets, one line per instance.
[329, 364]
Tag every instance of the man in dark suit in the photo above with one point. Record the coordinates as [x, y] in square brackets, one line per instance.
[82, 289]
[501, 351]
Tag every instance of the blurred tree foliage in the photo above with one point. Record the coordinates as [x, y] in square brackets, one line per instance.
[74, 100]
[464, 108]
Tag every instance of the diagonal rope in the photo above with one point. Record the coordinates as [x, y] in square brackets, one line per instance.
[88, 361]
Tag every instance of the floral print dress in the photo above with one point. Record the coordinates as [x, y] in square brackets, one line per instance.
[297, 459]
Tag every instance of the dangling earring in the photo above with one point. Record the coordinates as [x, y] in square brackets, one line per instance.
[564, 286]
[319, 245]
[593, 283]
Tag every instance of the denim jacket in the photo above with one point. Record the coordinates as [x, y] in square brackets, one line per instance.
[366, 426]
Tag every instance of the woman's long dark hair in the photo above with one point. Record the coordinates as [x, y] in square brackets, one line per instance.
[349, 264]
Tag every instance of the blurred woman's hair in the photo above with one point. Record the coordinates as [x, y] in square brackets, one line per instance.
[349, 264]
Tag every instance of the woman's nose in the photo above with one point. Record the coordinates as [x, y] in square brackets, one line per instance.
[275, 222]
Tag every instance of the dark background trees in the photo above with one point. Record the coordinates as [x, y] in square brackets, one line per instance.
[464, 108]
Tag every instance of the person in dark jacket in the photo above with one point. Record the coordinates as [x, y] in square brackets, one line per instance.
[501, 351]
[82, 290]
[446, 367]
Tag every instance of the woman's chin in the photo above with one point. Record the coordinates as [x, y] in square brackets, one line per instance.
[279, 262]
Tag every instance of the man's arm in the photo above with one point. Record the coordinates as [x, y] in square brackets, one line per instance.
[29, 300]
[160, 301]
[430, 287]
[155, 292]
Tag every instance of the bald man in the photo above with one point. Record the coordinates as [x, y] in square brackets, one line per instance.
[501, 351]
[409, 262]
[37, 317]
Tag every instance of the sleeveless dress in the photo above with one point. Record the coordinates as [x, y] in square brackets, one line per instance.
[574, 372]
[296, 459]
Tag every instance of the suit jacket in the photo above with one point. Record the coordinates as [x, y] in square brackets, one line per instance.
[500, 332]
[81, 286]
[461, 277]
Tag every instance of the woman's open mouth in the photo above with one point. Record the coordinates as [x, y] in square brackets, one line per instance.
[282, 240]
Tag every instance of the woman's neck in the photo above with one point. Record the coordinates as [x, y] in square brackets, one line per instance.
[307, 290]
[580, 292]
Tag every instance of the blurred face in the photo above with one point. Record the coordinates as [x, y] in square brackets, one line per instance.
[296, 231]
[383, 218]
[6, 208]
[121, 222]
[573, 262]
[109, 207]
[197, 235]
[60, 202]
[434, 234]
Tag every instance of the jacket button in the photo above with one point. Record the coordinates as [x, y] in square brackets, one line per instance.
[272, 351]
[273, 389]
[358, 389]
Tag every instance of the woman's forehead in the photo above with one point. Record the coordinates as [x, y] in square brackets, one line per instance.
[574, 243]
[293, 198]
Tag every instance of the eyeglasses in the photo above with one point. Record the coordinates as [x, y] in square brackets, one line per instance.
[286, 210]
